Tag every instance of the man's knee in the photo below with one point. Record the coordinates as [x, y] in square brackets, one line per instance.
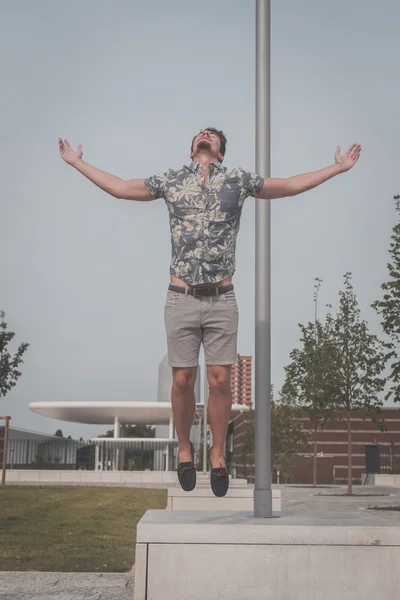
[184, 378]
[219, 378]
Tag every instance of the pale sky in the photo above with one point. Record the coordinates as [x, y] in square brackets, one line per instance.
[83, 275]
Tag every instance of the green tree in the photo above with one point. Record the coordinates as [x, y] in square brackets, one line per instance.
[288, 436]
[359, 362]
[247, 448]
[389, 308]
[311, 378]
[9, 364]
[133, 431]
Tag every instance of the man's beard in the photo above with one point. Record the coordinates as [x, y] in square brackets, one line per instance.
[204, 145]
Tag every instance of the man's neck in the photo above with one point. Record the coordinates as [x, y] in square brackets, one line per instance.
[205, 159]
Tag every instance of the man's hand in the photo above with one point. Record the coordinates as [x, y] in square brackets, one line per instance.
[349, 158]
[283, 188]
[70, 156]
[133, 189]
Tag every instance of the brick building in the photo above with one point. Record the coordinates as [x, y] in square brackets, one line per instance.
[333, 449]
[241, 380]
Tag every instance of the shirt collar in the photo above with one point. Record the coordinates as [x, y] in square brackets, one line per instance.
[195, 166]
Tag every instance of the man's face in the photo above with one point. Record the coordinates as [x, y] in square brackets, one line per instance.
[207, 140]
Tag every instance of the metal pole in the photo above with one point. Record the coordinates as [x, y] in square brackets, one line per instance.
[263, 470]
[205, 417]
[5, 448]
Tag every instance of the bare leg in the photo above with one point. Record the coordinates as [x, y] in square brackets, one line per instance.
[183, 406]
[219, 410]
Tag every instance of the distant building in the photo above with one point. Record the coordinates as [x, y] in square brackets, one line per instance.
[33, 450]
[332, 448]
[241, 380]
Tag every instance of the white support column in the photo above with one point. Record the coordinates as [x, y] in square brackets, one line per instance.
[101, 456]
[117, 427]
[96, 456]
[115, 449]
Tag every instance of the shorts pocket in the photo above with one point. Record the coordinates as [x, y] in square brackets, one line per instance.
[171, 302]
[230, 299]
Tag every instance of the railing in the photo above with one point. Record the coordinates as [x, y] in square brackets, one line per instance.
[108, 454]
[102, 454]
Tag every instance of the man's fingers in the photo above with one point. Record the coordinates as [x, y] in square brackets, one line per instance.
[68, 145]
[350, 150]
[61, 145]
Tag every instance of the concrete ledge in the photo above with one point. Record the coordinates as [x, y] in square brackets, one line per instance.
[203, 481]
[60, 477]
[112, 477]
[226, 555]
[381, 480]
[237, 499]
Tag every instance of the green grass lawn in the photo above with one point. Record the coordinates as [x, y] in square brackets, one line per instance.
[72, 528]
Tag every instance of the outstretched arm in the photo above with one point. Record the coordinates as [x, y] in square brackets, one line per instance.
[132, 189]
[282, 188]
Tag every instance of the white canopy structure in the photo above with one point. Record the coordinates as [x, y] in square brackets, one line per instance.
[107, 413]
[119, 414]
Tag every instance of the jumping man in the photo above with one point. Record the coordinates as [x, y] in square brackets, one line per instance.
[205, 203]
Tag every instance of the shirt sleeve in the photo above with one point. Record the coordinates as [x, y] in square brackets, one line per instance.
[156, 184]
[252, 183]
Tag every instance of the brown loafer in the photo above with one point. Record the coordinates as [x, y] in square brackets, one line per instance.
[219, 479]
[187, 473]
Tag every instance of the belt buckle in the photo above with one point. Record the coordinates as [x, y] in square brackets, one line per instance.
[197, 292]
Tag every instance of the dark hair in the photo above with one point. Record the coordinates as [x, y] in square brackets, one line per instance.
[219, 133]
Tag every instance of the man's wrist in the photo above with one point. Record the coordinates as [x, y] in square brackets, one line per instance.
[77, 164]
[337, 169]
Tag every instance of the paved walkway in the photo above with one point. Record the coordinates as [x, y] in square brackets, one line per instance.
[65, 586]
[298, 501]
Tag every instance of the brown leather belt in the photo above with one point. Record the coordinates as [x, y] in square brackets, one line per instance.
[206, 291]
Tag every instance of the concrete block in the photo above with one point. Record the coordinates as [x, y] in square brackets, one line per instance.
[237, 499]
[90, 477]
[131, 477]
[204, 481]
[50, 476]
[381, 480]
[152, 477]
[169, 477]
[271, 573]
[227, 555]
[110, 476]
[70, 476]
[12, 476]
[29, 476]
[141, 574]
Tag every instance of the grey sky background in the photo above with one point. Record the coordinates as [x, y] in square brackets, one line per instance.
[84, 276]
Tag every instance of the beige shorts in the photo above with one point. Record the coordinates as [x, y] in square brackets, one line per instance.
[209, 320]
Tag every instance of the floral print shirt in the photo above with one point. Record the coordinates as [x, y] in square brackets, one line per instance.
[204, 218]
